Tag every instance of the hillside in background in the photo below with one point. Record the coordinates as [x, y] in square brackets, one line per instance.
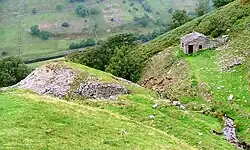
[106, 18]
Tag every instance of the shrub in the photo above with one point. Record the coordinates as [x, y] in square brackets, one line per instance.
[122, 65]
[65, 24]
[34, 11]
[12, 70]
[44, 35]
[83, 44]
[59, 7]
[142, 21]
[170, 10]
[99, 57]
[83, 11]
[4, 53]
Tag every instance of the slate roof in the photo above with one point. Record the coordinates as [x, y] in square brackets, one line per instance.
[192, 36]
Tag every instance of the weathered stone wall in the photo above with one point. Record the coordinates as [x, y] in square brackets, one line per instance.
[196, 43]
[98, 90]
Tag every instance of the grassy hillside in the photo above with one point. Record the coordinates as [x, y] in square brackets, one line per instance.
[42, 122]
[205, 80]
[17, 17]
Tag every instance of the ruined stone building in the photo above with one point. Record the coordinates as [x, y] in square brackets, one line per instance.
[194, 42]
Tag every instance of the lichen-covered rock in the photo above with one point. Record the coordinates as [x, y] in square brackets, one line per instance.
[98, 90]
[54, 79]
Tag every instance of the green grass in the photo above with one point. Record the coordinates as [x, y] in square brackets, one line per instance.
[53, 124]
[38, 122]
[235, 82]
[194, 79]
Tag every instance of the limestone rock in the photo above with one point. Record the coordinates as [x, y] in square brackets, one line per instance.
[98, 90]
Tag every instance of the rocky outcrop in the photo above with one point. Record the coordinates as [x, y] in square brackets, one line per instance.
[53, 79]
[98, 90]
[59, 80]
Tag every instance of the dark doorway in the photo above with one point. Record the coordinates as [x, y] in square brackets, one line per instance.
[200, 46]
[190, 49]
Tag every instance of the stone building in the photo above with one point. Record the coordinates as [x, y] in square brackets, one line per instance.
[194, 42]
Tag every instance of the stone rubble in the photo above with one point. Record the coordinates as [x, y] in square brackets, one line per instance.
[57, 79]
[50, 79]
[98, 90]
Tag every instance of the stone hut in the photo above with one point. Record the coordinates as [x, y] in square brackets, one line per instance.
[194, 42]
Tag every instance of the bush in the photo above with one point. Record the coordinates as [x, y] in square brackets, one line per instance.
[147, 7]
[99, 57]
[122, 65]
[94, 11]
[83, 11]
[142, 21]
[44, 35]
[83, 44]
[34, 30]
[170, 10]
[219, 3]
[34, 11]
[4, 53]
[12, 70]
[59, 7]
[65, 24]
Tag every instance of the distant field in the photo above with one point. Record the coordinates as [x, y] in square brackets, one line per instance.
[17, 18]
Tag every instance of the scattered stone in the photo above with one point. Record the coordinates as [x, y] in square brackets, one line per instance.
[98, 90]
[124, 132]
[155, 106]
[176, 103]
[230, 97]
[53, 79]
[151, 117]
[182, 106]
[220, 87]
[200, 134]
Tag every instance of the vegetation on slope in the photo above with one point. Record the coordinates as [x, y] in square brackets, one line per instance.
[205, 80]
[45, 122]
[12, 70]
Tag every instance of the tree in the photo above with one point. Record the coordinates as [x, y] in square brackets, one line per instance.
[12, 70]
[44, 35]
[35, 30]
[202, 7]
[179, 18]
[59, 7]
[142, 21]
[99, 57]
[219, 3]
[122, 65]
[82, 10]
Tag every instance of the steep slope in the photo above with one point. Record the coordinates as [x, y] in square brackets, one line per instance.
[129, 122]
[209, 77]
